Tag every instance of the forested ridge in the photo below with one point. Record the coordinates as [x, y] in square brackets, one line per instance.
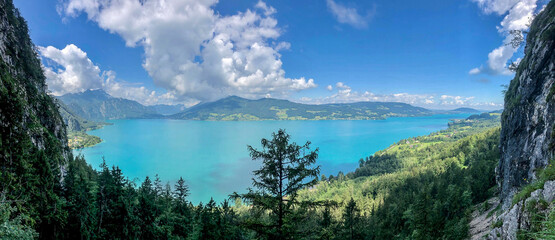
[423, 187]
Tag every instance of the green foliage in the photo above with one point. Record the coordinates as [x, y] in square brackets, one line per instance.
[544, 175]
[14, 227]
[286, 169]
[551, 93]
[497, 224]
[352, 221]
[545, 227]
[406, 153]
[430, 193]
[78, 140]
[539, 221]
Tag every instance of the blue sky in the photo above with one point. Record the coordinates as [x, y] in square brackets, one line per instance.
[436, 54]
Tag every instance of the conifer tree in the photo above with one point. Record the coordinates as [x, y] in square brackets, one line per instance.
[352, 221]
[286, 169]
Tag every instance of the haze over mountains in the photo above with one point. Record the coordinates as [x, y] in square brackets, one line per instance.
[97, 105]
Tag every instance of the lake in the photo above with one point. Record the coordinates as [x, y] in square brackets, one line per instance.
[212, 156]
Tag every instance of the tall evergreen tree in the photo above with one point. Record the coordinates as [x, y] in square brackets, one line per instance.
[148, 211]
[286, 169]
[183, 219]
[352, 221]
[80, 201]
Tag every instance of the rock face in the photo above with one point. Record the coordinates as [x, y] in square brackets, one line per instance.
[527, 134]
[521, 215]
[29, 117]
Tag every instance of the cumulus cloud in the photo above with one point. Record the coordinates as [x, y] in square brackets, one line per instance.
[329, 87]
[518, 15]
[496, 6]
[78, 72]
[348, 15]
[196, 53]
[345, 94]
[69, 70]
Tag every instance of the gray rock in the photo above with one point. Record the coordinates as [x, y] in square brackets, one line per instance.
[511, 222]
[549, 191]
[527, 134]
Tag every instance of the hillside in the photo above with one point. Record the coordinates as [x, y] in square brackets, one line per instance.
[97, 105]
[528, 135]
[526, 171]
[77, 127]
[465, 110]
[420, 187]
[165, 109]
[76, 123]
[236, 108]
[33, 147]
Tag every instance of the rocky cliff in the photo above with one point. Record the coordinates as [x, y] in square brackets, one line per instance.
[26, 107]
[526, 175]
[527, 135]
[33, 143]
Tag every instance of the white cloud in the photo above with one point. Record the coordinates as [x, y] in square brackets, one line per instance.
[69, 70]
[348, 15]
[329, 87]
[345, 94]
[196, 53]
[519, 14]
[78, 72]
[268, 10]
[496, 6]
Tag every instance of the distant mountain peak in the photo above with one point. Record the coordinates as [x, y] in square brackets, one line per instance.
[466, 110]
[96, 94]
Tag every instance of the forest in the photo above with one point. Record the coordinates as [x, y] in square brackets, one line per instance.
[419, 188]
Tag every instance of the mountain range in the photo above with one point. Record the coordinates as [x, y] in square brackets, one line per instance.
[237, 108]
[97, 105]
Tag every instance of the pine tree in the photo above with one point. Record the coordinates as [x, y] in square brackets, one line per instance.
[352, 221]
[286, 169]
[148, 210]
[327, 224]
[183, 219]
[78, 192]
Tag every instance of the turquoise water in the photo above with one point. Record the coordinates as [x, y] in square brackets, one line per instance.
[212, 156]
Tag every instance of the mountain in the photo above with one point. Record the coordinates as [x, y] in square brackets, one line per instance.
[33, 147]
[526, 172]
[237, 108]
[97, 105]
[465, 110]
[76, 123]
[164, 109]
[77, 128]
[528, 121]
